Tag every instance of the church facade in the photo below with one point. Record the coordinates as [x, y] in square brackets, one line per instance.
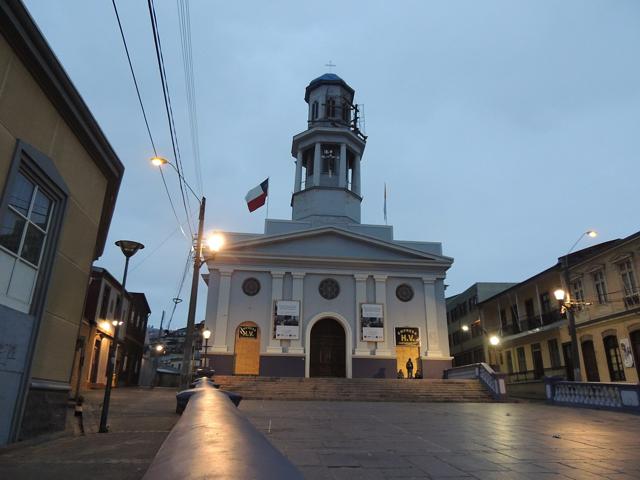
[323, 295]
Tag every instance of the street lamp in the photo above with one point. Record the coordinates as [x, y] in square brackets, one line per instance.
[575, 354]
[129, 249]
[215, 243]
[206, 335]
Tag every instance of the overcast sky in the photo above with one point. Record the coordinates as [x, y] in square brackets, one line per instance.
[502, 129]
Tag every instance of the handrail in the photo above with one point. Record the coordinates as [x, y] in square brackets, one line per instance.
[213, 439]
[598, 395]
[493, 381]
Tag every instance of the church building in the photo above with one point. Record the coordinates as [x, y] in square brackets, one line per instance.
[323, 295]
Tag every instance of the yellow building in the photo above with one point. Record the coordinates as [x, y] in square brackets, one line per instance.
[533, 329]
[59, 178]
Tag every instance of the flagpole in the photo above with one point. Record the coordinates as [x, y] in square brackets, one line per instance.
[267, 216]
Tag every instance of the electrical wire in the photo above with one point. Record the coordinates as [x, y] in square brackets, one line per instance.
[180, 286]
[184, 15]
[144, 115]
[169, 109]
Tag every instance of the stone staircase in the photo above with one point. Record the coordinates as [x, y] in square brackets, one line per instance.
[356, 389]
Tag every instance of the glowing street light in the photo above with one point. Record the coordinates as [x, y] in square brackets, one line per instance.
[215, 242]
[494, 340]
[559, 294]
[465, 328]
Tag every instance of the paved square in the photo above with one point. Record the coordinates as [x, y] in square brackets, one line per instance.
[357, 440]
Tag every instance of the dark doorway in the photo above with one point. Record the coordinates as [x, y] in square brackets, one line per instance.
[635, 346]
[328, 349]
[568, 362]
[590, 362]
[538, 365]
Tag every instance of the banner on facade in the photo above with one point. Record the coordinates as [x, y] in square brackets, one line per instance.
[372, 321]
[287, 319]
[408, 336]
[627, 353]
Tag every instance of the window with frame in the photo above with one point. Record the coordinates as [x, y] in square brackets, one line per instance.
[554, 353]
[631, 297]
[25, 225]
[522, 359]
[600, 286]
[330, 108]
[578, 292]
[503, 318]
[545, 302]
[104, 305]
[314, 110]
[614, 360]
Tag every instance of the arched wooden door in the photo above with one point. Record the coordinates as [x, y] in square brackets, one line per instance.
[247, 349]
[328, 349]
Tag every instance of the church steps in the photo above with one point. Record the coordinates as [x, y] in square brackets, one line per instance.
[358, 389]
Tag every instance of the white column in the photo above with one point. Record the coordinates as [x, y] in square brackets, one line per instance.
[316, 165]
[222, 314]
[297, 293]
[431, 312]
[361, 297]
[276, 294]
[355, 179]
[298, 183]
[383, 348]
[342, 167]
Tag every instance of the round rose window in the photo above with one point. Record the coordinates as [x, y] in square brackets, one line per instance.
[329, 288]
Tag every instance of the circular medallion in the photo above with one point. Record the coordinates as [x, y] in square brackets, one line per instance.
[251, 286]
[404, 292]
[329, 288]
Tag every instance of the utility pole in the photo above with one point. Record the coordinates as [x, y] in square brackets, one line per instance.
[185, 375]
[575, 354]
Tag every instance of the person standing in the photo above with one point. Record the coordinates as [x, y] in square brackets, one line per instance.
[409, 366]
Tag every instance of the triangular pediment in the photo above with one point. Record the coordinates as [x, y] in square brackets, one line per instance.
[329, 243]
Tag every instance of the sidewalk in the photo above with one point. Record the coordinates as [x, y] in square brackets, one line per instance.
[139, 420]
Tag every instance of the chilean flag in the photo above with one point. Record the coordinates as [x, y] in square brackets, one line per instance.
[257, 196]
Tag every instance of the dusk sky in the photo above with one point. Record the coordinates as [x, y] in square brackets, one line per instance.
[503, 129]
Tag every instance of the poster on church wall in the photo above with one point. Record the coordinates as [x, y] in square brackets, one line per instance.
[287, 320]
[627, 353]
[372, 321]
[408, 336]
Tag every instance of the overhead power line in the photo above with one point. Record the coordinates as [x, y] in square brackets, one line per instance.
[184, 15]
[168, 108]
[144, 115]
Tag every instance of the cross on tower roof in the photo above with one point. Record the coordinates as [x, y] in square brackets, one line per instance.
[330, 65]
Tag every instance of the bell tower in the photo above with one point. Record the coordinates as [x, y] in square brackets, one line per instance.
[328, 155]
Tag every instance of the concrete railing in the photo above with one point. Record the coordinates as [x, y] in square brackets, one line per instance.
[213, 439]
[609, 396]
[493, 381]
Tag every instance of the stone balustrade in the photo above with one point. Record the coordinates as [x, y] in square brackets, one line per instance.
[609, 396]
[493, 381]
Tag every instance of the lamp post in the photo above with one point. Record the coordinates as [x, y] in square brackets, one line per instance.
[215, 243]
[129, 249]
[158, 351]
[575, 354]
[494, 340]
[465, 329]
[206, 335]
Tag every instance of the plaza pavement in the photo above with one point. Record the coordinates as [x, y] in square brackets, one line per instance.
[139, 421]
[358, 440]
[354, 440]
